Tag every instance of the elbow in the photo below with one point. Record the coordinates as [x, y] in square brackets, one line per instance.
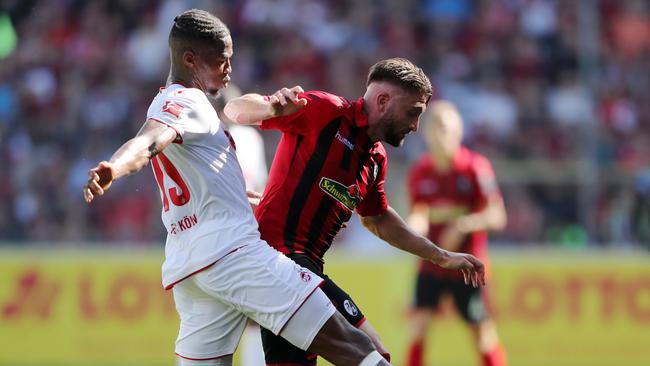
[499, 221]
[232, 112]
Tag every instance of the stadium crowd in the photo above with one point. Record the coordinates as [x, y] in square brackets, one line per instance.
[565, 124]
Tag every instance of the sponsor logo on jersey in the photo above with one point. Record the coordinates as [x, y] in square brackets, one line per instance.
[350, 308]
[172, 108]
[345, 141]
[348, 196]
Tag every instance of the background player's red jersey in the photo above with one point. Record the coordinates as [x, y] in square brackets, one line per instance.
[325, 167]
[463, 189]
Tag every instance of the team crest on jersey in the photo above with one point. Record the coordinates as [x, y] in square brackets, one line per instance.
[305, 276]
[173, 108]
[463, 184]
[349, 196]
[350, 308]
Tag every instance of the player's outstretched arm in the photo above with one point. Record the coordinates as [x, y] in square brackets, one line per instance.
[252, 108]
[134, 155]
[391, 228]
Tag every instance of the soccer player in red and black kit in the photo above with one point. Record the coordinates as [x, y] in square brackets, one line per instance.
[455, 201]
[330, 162]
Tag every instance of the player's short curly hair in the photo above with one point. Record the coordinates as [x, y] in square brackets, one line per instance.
[401, 72]
[198, 26]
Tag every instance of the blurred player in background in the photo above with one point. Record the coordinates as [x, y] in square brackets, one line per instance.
[455, 201]
[330, 162]
[219, 269]
[252, 159]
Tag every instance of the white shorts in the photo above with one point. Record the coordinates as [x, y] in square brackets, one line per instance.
[255, 282]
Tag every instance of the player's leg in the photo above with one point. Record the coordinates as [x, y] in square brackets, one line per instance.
[342, 344]
[343, 303]
[250, 348]
[286, 299]
[472, 304]
[427, 297]
[209, 328]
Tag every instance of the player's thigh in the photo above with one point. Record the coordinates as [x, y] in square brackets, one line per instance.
[341, 299]
[278, 351]
[470, 302]
[269, 288]
[209, 328]
[428, 291]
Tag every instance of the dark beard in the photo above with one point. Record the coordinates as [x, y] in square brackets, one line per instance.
[392, 136]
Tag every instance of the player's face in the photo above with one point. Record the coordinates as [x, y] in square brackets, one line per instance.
[215, 68]
[445, 132]
[402, 117]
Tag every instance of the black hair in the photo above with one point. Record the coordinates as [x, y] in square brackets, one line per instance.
[198, 27]
[401, 72]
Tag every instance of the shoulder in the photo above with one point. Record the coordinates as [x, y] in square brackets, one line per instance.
[422, 163]
[477, 162]
[183, 94]
[323, 98]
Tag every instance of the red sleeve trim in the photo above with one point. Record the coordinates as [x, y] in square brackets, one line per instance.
[203, 359]
[179, 137]
[202, 269]
[360, 322]
[303, 303]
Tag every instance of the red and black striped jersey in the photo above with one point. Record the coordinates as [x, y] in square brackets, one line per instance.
[325, 167]
[463, 189]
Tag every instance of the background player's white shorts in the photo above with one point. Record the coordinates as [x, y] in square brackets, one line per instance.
[255, 281]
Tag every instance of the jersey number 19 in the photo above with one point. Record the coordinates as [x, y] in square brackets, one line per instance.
[177, 198]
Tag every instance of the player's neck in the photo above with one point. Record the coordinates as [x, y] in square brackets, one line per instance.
[373, 130]
[443, 162]
[182, 77]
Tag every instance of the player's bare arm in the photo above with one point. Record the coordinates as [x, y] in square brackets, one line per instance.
[418, 219]
[131, 157]
[491, 217]
[252, 108]
[391, 228]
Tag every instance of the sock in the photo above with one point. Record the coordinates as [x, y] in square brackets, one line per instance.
[372, 359]
[495, 357]
[415, 354]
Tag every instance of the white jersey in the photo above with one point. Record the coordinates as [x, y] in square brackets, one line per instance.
[205, 208]
[251, 157]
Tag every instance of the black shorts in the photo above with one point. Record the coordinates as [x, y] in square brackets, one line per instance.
[278, 351]
[469, 301]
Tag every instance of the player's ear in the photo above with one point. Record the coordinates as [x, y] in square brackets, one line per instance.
[189, 59]
[382, 102]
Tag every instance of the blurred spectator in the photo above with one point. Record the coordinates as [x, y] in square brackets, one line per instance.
[74, 76]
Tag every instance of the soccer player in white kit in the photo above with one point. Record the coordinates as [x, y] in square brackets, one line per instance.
[219, 269]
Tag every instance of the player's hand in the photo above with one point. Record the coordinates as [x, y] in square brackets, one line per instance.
[472, 268]
[100, 179]
[285, 101]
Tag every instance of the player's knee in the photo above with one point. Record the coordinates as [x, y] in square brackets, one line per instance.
[338, 332]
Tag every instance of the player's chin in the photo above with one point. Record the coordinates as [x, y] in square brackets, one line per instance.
[395, 140]
[214, 93]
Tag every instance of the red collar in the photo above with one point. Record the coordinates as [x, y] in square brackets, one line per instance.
[360, 118]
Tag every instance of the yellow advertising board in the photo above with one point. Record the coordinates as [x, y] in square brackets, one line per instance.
[88, 308]
[108, 308]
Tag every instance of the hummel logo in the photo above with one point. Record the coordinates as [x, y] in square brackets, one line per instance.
[345, 141]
